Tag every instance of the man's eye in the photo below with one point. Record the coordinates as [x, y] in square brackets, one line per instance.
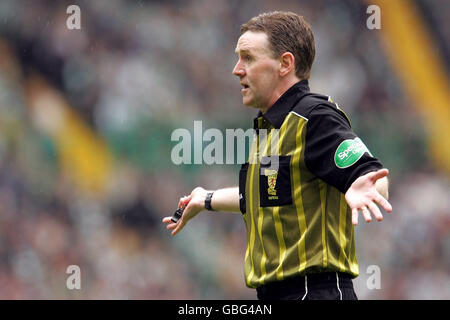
[247, 58]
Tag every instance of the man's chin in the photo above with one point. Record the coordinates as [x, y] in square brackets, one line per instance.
[248, 103]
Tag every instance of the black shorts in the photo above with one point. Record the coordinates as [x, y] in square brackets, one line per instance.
[320, 286]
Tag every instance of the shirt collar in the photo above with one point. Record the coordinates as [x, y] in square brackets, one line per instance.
[280, 109]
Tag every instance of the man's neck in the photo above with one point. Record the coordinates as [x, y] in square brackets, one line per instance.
[280, 90]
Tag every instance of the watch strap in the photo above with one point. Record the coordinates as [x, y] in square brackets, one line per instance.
[208, 201]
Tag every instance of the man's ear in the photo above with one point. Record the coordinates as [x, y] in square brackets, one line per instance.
[287, 63]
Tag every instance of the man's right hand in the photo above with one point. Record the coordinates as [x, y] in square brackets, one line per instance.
[194, 204]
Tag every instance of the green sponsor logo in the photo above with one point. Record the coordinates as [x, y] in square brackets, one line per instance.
[349, 152]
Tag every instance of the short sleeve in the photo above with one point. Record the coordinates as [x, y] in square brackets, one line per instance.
[333, 152]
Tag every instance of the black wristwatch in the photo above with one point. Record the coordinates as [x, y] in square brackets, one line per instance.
[208, 201]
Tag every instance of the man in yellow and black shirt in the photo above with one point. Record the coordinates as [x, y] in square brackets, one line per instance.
[307, 174]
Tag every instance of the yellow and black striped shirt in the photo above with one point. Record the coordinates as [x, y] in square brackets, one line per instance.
[302, 160]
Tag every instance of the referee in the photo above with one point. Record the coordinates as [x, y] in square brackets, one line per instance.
[307, 177]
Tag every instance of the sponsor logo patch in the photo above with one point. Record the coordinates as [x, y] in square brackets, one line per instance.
[349, 152]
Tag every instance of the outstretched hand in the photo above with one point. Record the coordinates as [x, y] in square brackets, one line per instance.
[363, 195]
[193, 204]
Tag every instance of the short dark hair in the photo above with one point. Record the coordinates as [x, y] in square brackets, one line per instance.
[287, 32]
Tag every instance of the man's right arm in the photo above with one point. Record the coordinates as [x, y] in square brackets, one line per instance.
[226, 199]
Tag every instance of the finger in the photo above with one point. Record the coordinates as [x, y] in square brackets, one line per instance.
[171, 226]
[179, 226]
[184, 201]
[355, 216]
[167, 219]
[375, 211]
[366, 214]
[180, 223]
[181, 202]
[383, 202]
[380, 174]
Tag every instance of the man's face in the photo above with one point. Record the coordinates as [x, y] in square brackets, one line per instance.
[257, 70]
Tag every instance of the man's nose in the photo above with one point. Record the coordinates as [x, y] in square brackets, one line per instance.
[238, 70]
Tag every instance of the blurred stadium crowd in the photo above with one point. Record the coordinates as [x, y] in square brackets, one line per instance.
[136, 71]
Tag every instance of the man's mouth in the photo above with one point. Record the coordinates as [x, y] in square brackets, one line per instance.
[244, 87]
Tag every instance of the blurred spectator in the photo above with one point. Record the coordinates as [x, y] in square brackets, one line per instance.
[136, 71]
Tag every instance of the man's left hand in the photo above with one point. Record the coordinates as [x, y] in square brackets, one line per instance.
[363, 194]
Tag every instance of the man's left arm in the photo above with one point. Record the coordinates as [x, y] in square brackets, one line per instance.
[335, 154]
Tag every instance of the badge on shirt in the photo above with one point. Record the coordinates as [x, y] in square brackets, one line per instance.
[271, 182]
[275, 181]
[349, 152]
